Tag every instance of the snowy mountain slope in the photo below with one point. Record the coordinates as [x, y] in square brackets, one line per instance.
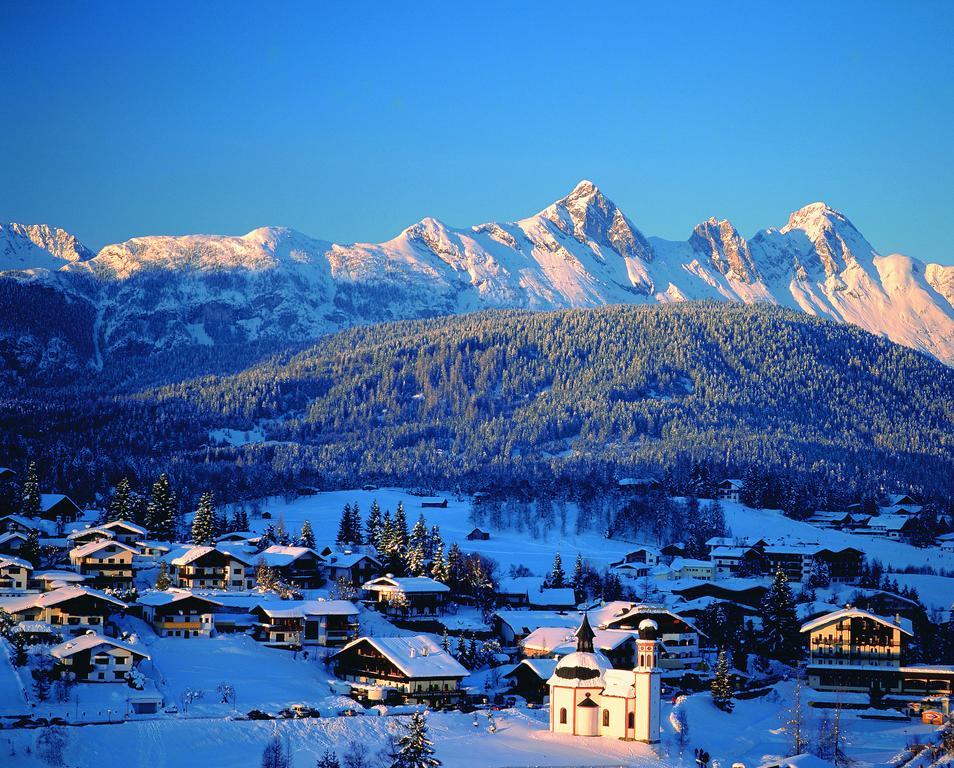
[278, 285]
[38, 246]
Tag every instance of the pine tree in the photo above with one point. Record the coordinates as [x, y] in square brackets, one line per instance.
[432, 540]
[461, 652]
[722, 684]
[281, 532]
[203, 524]
[345, 532]
[780, 636]
[265, 576]
[415, 749]
[239, 519]
[557, 577]
[577, 580]
[30, 504]
[445, 638]
[385, 541]
[399, 535]
[356, 524]
[30, 551]
[161, 510]
[440, 569]
[274, 755]
[473, 655]
[373, 525]
[328, 759]
[796, 719]
[119, 504]
[307, 537]
[416, 549]
[455, 565]
[163, 581]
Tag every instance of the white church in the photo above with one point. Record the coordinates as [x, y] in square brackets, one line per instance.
[590, 698]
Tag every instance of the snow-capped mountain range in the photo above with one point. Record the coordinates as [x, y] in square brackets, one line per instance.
[276, 284]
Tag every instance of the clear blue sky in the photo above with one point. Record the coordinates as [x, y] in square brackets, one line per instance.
[349, 121]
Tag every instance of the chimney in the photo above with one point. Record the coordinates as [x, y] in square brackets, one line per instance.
[412, 652]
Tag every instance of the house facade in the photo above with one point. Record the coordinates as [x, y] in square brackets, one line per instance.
[211, 568]
[14, 575]
[299, 623]
[70, 610]
[105, 563]
[179, 613]
[93, 658]
[413, 669]
[408, 596]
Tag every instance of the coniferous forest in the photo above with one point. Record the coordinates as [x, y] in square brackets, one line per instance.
[810, 412]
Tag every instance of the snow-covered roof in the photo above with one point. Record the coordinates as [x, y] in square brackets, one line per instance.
[7, 561]
[88, 642]
[125, 524]
[57, 596]
[26, 522]
[278, 556]
[889, 522]
[171, 596]
[59, 576]
[524, 622]
[580, 669]
[562, 598]
[520, 585]
[732, 482]
[857, 613]
[679, 563]
[191, 554]
[406, 584]
[10, 535]
[50, 500]
[302, 608]
[237, 536]
[542, 668]
[95, 546]
[415, 656]
[646, 609]
[98, 530]
[348, 559]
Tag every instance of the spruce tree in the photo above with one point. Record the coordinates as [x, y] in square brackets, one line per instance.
[356, 525]
[239, 519]
[722, 684]
[399, 535]
[30, 551]
[416, 549]
[345, 531]
[557, 577]
[307, 537]
[328, 759]
[161, 510]
[577, 581]
[30, 504]
[163, 581]
[455, 566]
[440, 569]
[119, 504]
[203, 524]
[373, 525]
[385, 540]
[415, 749]
[780, 635]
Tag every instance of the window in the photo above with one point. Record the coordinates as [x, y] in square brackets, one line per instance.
[631, 720]
[606, 718]
[562, 715]
[101, 658]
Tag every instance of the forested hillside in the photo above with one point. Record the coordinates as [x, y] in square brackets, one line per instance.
[573, 399]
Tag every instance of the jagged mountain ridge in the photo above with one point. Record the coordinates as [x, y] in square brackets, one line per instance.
[276, 285]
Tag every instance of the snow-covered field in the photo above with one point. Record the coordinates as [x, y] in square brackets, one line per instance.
[753, 733]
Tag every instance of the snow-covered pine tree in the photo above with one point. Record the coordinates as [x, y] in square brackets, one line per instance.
[163, 581]
[461, 652]
[432, 539]
[30, 497]
[274, 755]
[372, 528]
[119, 504]
[577, 580]
[722, 684]
[416, 548]
[473, 652]
[440, 570]
[455, 566]
[307, 537]
[780, 637]
[415, 749]
[445, 638]
[239, 519]
[328, 759]
[161, 510]
[385, 539]
[30, 551]
[356, 525]
[557, 577]
[265, 576]
[796, 720]
[345, 532]
[281, 532]
[399, 535]
[267, 538]
[203, 524]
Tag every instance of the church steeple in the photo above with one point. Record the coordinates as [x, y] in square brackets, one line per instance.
[584, 636]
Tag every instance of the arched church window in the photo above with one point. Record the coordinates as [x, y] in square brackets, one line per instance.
[605, 718]
[562, 715]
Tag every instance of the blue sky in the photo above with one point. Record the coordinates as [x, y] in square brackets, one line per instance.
[351, 121]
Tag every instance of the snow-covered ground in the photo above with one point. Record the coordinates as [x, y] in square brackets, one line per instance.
[754, 732]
